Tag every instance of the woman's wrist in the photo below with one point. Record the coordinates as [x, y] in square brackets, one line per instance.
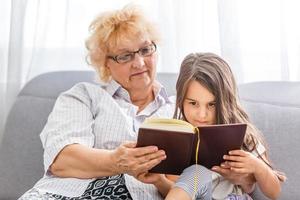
[113, 164]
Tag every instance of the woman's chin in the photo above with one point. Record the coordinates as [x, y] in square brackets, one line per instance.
[142, 83]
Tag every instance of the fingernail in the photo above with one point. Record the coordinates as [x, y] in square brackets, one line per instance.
[154, 148]
[214, 168]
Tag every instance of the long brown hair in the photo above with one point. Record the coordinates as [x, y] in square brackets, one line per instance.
[214, 73]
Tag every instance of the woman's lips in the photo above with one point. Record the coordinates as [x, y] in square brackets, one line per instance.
[138, 73]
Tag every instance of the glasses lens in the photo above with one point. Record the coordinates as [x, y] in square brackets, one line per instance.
[147, 51]
[124, 57]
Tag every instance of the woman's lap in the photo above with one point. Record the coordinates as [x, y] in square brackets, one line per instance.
[104, 188]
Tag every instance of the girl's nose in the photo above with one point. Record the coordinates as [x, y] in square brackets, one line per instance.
[202, 113]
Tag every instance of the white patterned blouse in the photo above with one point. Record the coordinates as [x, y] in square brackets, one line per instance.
[99, 116]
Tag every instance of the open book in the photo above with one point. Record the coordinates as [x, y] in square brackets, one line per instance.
[179, 139]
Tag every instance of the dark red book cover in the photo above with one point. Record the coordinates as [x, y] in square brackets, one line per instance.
[180, 147]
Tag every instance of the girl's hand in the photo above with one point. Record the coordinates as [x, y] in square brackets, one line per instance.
[242, 162]
[238, 168]
[150, 178]
[133, 161]
[233, 177]
[160, 181]
[239, 161]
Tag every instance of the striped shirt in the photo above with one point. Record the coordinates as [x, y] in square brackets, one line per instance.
[100, 116]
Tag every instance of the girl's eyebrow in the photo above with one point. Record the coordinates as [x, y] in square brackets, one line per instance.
[213, 101]
[190, 99]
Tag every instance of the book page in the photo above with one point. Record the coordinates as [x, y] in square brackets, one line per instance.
[168, 124]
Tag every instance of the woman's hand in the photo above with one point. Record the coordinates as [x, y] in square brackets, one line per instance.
[134, 161]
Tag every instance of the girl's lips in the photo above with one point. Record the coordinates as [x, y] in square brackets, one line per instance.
[201, 123]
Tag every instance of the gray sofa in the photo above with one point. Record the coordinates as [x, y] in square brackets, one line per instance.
[273, 106]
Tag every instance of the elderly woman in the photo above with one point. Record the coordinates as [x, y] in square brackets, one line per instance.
[85, 153]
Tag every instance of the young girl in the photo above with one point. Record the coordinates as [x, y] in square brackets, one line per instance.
[207, 94]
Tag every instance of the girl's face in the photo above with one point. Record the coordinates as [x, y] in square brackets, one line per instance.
[199, 105]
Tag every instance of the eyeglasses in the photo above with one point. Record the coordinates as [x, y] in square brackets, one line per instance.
[129, 56]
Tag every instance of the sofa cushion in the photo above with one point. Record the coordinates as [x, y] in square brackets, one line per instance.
[277, 114]
[274, 107]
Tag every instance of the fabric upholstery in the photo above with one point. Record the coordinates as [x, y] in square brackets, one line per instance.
[273, 106]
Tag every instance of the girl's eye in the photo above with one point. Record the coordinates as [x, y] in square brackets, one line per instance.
[211, 105]
[193, 103]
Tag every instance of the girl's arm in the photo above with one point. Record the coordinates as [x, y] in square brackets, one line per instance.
[244, 162]
[162, 182]
[267, 180]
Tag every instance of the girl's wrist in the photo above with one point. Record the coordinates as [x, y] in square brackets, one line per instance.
[164, 185]
[260, 169]
[163, 181]
[248, 183]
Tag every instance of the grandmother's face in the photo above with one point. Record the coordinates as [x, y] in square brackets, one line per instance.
[131, 64]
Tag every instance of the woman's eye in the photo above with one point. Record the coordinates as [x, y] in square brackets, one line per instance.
[125, 57]
[145, 51]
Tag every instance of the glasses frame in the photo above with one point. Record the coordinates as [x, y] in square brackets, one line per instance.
[115, 58]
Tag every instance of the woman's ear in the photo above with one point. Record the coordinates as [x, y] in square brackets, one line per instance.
[106, 68]
[106, 71]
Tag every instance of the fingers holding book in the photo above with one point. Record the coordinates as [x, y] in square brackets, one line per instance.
[241, 161]
[134, 160]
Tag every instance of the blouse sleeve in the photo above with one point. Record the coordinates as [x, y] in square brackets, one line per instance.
[260, 150]
[70, 122]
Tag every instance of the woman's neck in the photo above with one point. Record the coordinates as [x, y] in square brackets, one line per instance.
[141, 98]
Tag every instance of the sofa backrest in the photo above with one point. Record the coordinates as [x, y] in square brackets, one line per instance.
[21, 151]
[274, 107]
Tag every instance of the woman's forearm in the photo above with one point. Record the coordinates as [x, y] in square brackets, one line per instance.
[79, 161]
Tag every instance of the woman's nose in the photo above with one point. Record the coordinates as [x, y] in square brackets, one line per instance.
[138, 61]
